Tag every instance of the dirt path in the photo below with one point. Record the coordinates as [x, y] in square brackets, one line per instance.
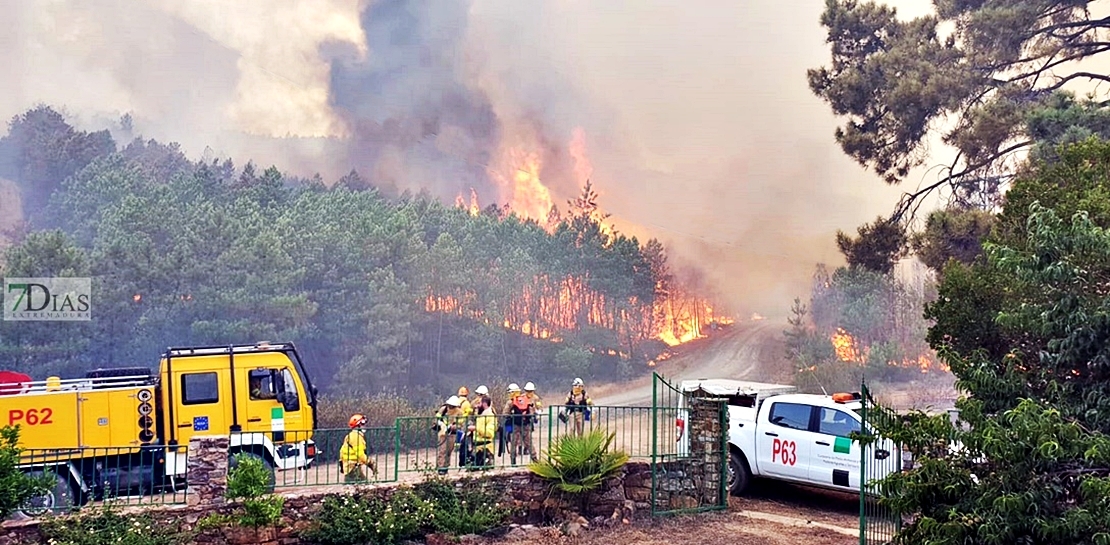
[751, 350]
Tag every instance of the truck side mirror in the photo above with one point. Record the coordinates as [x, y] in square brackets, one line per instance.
[290, 402]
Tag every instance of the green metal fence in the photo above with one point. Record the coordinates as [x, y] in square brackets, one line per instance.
[310, 459]
[104, 475]
[680, 458]
[879, 457]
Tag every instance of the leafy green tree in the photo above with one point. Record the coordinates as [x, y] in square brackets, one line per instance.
[1024, 330]
[49, 348]
[995, 68]
[40, 151]
[952, 233]
[877, 248]
[16, 487]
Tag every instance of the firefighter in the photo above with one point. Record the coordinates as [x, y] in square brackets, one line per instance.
[449, 419]
[257, 392]
[518, 415]
[578, 405]
[530, 423]
[464, 399]
[464, 437]
[352, 455]
[484, 430]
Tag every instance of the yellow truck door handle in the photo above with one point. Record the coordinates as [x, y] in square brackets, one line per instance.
[185, 425]
[259, 419]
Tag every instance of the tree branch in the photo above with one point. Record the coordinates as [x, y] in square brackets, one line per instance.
[1089, 75]
[1089, 23]
[1035, 74]
[912, 200]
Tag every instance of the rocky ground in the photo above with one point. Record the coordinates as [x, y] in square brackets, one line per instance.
[772, 515]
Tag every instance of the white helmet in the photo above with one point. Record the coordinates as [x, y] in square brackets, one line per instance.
[454, 401]
[513, 388]
[482, 390]
[529, 387]
[578, 382]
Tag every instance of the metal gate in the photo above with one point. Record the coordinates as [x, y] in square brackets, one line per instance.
[878, 523]
[689, 451]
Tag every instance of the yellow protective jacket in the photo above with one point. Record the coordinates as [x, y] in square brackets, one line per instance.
[445, 419]
[537, 403]
[353, 451]
[467, 409]
[485, 429]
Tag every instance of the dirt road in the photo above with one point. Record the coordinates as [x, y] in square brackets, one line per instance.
[752, 350]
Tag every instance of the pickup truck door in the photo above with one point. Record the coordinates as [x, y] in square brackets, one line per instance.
[785, 442]
[836, 458]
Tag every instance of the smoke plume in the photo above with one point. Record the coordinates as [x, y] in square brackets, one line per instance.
[692, 119]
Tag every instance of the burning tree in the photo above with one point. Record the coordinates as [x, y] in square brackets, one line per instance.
[859, 321]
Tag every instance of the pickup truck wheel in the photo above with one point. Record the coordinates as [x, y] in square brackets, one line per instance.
[54, 499]
[233, 462]
[739, 476]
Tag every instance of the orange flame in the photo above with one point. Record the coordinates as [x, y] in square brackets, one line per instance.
[520, 182]
[684, 319]
[924, 363]
[473, 208]
[846, 346]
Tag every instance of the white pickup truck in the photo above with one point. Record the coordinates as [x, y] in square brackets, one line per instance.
[777, 433]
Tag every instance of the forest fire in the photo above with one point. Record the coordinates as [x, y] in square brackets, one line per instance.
[521, 186]
[684, 321]
[923, 362]
[546, 307]
[846, 347]
[473, 208]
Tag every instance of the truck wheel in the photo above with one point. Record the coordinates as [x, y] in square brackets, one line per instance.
[58, 498]
[739, 476]
[233, 462]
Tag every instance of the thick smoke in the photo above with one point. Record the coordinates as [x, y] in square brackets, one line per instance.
[697, 119]
[414, 120]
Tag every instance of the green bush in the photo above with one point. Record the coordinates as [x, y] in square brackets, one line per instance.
[16, 487]
[471, 506]
[104, 527]
[578, 465]
[357, 520]
[250, 481]
[433, 506]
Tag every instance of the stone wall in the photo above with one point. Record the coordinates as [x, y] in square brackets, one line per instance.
[207, 470]
[686, 483]
[695, 481]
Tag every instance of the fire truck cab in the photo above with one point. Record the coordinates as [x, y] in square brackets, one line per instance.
[126, 431]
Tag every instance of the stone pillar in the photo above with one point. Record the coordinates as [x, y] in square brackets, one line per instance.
[207, 470]
[707, 447]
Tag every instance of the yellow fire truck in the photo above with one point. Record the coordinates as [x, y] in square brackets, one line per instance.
[125, 431]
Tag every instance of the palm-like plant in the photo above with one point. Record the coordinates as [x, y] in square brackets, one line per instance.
[578, 465]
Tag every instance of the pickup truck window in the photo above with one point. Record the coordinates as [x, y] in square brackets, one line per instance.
[791, 415]
[838, 423]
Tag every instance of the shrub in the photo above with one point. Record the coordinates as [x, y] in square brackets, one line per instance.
[104, 527]
[578, 465]
[352, 520]
[249, 481]
[435, 505]
[471, 506]
[16, 487]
